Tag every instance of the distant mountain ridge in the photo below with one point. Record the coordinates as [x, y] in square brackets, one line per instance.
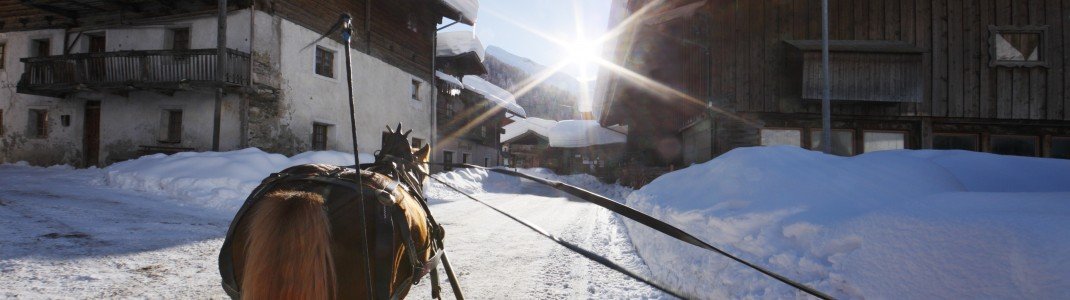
[556, 98]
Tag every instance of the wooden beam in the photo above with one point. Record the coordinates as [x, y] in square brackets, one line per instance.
[52, 9]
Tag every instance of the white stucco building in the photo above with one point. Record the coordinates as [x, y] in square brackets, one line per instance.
[93, 95]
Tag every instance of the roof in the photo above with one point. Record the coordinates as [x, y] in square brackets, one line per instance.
[563, 134]
[459, 53]
[463, 11]
[876, 46]
[520, 127]
[491, 92]
[583, 133]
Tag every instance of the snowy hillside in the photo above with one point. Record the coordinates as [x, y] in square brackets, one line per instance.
[902, 224]
[556, 98]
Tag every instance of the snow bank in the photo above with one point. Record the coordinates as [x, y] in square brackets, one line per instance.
[478, 181]
[582, 133]
[902, 224]
[219, 180]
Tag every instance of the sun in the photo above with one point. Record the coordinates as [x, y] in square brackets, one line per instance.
[583, 52]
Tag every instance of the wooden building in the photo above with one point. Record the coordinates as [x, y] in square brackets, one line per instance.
[91, 82]
[982, 75]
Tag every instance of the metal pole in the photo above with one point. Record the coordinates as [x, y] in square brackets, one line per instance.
[826, 104]
[220, 65]
[347, 36]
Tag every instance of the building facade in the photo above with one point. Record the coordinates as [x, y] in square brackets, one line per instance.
[82, 86]
[948, 74]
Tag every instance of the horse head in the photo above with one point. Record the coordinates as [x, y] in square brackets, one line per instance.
[396, 144]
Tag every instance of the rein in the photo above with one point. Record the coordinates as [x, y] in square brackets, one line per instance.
[629, 213]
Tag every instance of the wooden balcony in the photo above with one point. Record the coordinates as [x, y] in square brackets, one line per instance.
[124, 71]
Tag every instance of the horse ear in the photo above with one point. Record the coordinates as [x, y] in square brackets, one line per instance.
[424, 154]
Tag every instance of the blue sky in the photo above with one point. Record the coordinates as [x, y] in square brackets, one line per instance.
[501, 23]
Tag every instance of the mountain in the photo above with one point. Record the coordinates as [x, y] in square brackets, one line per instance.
[556, 98]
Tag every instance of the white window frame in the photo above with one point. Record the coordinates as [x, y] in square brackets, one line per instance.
[334, 62]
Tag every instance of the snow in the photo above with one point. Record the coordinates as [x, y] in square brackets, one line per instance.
[520, 126]
[468, 10]
[564, 134]
[582, 133]
[493, 93]
[219, 180]
[455, 43]
[903, 224]
[75, 233]
[559, 80]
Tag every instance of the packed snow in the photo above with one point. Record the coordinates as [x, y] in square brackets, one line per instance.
[583, 133]
[456, 43]
[904, 224]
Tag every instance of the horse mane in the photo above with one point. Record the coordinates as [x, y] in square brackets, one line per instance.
[288, 249]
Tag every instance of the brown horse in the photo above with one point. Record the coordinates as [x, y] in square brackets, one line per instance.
[299, 235]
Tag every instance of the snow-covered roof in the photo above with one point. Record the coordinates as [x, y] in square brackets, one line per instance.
[583, 133]
[493, 93]
[521, 126]
[467, 10]
[456, 43]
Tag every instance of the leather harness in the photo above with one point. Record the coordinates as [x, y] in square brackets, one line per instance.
[396, 177]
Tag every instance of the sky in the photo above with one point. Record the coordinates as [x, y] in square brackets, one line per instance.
[502, 23]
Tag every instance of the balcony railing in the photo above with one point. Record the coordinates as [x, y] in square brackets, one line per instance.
[127, 70]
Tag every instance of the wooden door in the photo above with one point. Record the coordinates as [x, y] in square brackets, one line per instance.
[91, 134]
[97, 66]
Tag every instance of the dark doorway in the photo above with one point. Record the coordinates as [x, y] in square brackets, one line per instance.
[91, 134]
[97, 66]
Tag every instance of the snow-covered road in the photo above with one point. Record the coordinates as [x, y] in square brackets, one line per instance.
[65, 235]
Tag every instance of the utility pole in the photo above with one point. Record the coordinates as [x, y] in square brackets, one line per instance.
[826, 103]
[220, 66]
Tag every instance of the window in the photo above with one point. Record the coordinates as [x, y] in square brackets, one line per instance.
[883, 140]
[1060, 147]
[863, 70]
[417, 143]
[956, 141]
[41, 48]
[171, 126]
[842, 141]
[447, 158]
[1, 121]
[3, 48]
[486, 161]
[324, 62]
[415, 89]
[180, 39]
[319, 136]
[37, 127]
[1014, 145]
[464, 158]
[65, 120]
[1017, 46]
[483, 131]
[774, 137]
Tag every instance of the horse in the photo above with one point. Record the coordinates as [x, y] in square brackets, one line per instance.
[299, 235]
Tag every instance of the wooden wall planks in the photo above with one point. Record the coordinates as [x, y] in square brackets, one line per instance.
[750, 57]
